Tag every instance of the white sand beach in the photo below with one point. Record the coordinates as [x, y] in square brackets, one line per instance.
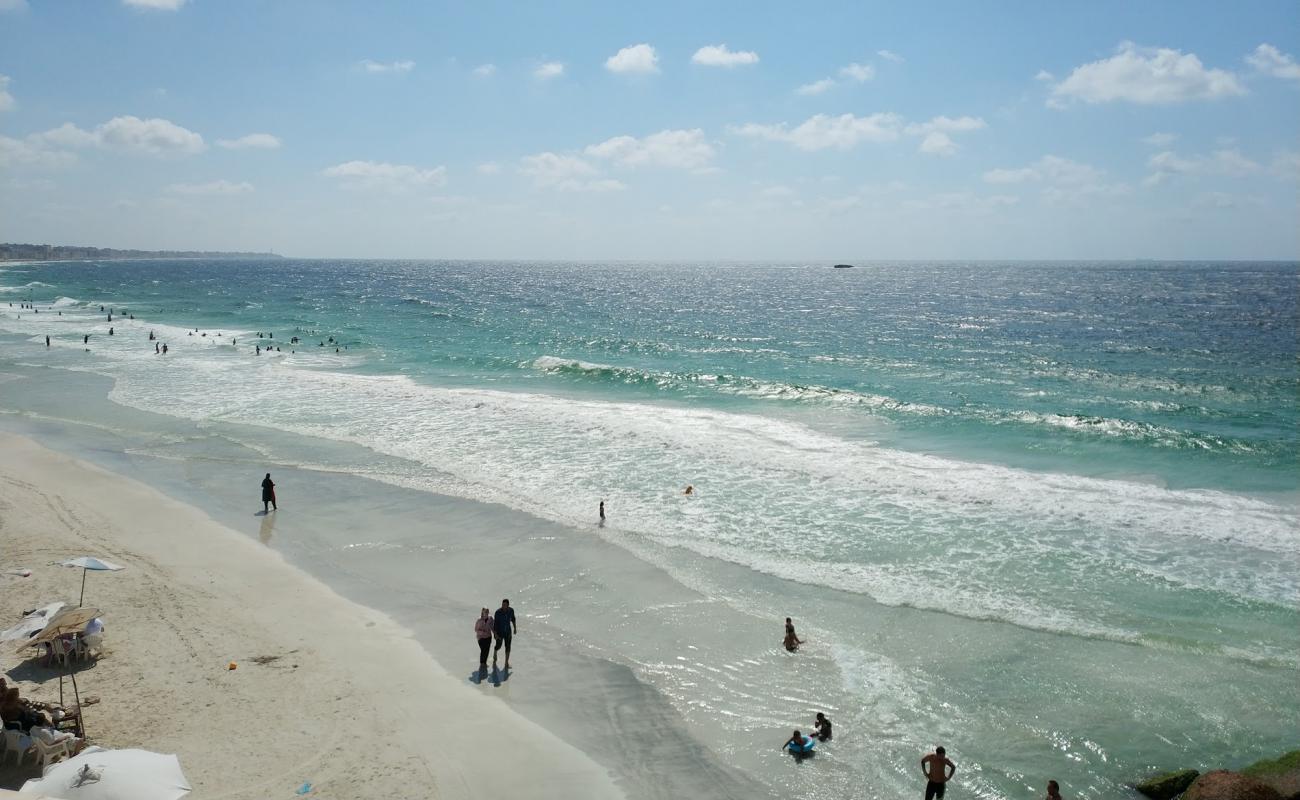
[326, 692]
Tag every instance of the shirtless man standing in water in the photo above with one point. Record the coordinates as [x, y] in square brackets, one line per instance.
[938, 771]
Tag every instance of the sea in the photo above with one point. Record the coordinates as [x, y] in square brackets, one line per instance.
[1044, 514]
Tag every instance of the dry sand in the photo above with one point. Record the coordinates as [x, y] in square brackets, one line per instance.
[326, 691]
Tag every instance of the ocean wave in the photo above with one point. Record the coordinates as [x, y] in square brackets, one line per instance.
[1131, 430]
[25, 286]
[737, 385]
[1084, 425]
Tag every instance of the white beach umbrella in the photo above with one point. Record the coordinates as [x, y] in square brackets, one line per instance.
[66, 621]
[99, 774]
[32, 623]
[88, 563]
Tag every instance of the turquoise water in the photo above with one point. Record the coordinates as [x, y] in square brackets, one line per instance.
[1099, 461]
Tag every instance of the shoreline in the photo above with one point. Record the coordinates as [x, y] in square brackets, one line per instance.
[361, 710]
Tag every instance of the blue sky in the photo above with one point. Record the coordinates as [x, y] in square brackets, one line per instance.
[771, 131]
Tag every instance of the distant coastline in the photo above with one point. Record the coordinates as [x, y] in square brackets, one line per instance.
[10, 251]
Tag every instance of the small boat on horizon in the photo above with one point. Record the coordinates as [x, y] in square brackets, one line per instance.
[843, 266]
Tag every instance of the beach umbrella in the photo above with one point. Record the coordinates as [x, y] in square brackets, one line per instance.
[99, 774]
[87, 563]
[66, 621]
[31, 624]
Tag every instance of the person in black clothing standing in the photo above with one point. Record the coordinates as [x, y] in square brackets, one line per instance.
[268, 494]
[504, 627]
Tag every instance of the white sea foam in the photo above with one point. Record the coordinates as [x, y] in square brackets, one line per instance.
[773, 495]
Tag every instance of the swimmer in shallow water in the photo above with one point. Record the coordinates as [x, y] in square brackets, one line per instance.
[822, 727]
[690, 490]
[792, 640]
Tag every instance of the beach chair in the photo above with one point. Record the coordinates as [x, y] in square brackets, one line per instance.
[51, 745]
[17, 744]
[57, 652]
[84, 644]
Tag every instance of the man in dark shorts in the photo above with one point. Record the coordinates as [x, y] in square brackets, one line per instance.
[504, 628]
[822, 727]
[938, 771]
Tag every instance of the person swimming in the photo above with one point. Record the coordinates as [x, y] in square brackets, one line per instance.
[798, 744]
[792, 640]
[822, 727]
[690, 490]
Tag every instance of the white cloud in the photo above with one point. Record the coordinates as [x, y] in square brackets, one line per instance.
[964, 202]
[567, 173]
[822, 131]
[551, 69]
[155, 5]
[157, 137]
[677, 149]
[1050, 169]
[936, 143]
[255, 141]
[718, 55]
[1271, 61]
[776, 192]
[816, 87]
[221, 187]
[890, 55]
[32, 153]
[489, 168]
[1062, 180]
[66, 135]
[943, 124]
[6, 99]
[1159, 139]
[1286, 165]
[382, 175]
[634, 58]
[1229, 163]
[1146, 76]
[485, 70]
[858, 72]
[1044, 76]
[375, 67]
[128, 134]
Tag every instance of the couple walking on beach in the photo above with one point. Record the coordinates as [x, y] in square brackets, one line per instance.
[501, 626]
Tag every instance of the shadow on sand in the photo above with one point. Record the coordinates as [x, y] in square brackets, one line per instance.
[492, 675]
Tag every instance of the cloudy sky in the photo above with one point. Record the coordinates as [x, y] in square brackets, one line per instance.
[667, 130]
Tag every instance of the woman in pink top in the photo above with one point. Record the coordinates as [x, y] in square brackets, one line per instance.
[483, 630]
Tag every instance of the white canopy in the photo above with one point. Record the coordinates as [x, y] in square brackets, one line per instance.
[90, 562]
[99, 774]
[32, 624]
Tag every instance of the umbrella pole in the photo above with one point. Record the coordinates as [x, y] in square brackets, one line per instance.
[81, 714]
[82, 601]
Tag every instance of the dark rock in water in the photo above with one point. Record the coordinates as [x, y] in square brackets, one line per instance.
[1167, 786]
[1283, 774]
[1224, 785]
[843, 266]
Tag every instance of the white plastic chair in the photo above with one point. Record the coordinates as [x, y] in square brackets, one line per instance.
[50, 745]
[84, 644]
[58, 651]
[17, 744]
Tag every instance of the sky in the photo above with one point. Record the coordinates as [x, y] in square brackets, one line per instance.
[837, 131]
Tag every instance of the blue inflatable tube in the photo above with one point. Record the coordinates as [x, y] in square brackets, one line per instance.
[802, 749]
